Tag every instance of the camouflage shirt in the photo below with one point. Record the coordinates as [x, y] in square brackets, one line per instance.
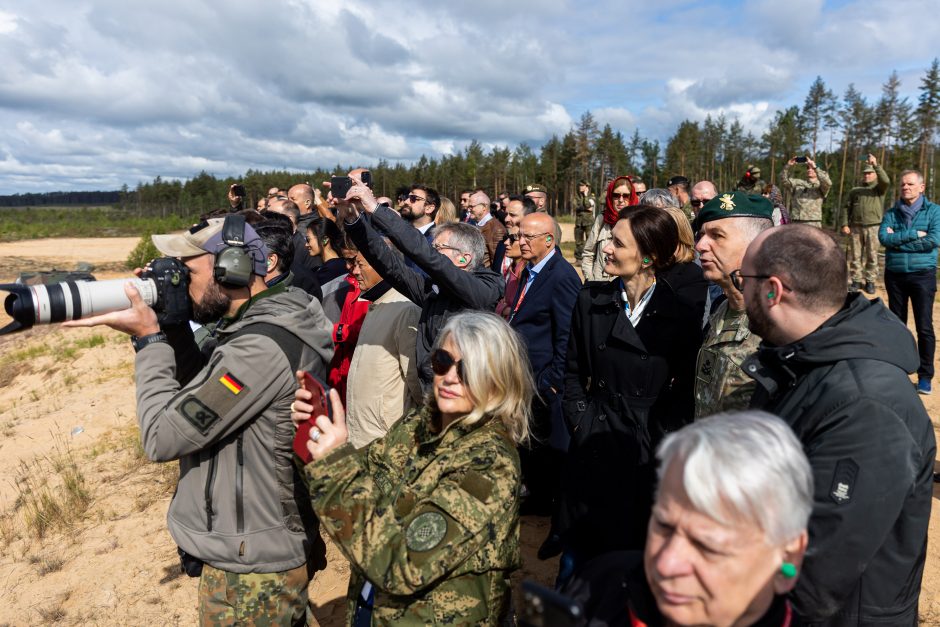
[806, 197]
[430, 519]
[720, 384]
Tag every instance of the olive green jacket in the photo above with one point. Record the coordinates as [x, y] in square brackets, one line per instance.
[865, 205]
[430, 519]
[806, 197]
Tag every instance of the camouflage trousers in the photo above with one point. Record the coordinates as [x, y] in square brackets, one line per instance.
[816, 223]
[263, 599]
[863, 253]
[583, 222]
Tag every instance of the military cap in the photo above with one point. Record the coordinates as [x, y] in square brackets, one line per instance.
[868, 168]
[754, 170]
[677, 180]
[583, 182]
[535, 187]
[734, 205]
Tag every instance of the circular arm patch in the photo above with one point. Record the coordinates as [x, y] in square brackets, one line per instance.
[426, 531]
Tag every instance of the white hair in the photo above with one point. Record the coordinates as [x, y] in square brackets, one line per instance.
[659, 198]
[744, 466]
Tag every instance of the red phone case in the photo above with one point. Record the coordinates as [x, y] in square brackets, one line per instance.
[321, 407]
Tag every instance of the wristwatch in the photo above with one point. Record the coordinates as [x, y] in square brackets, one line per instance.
[139, 342]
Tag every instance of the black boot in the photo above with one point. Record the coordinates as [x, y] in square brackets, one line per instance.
[854, 286]
[869, 287]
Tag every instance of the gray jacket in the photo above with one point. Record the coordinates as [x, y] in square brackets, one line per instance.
[236, 506]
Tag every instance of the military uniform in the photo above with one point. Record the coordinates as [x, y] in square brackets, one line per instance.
[583, 221]
[428, 520]
[862, 213]
[720, 384]
[806, 197]
[751, 182]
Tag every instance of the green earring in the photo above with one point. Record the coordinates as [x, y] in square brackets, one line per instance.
[788, 570]
[646, 259]
[770, 294]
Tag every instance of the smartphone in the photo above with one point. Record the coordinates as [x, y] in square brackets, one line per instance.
[546, 607]
[339, 186]
[367, 179]
[800, 160]
[321, 407]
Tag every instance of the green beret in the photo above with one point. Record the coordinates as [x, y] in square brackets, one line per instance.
[535, 187]
[734, 205]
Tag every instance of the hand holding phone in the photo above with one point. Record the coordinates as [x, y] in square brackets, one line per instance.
[800, 160]
[321, 407]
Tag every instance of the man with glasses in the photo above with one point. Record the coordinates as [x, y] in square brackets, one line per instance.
[465, 205]
[419, 207]
[455, 276]
[492, 229]
[541, 313]
[726, 225]
[702, 192]
[836, 370]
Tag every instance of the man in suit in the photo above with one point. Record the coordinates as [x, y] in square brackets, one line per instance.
[492, 229]
[542, 316]
[419, 207]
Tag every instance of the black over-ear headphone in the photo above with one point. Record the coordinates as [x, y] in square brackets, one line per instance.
[234, 263]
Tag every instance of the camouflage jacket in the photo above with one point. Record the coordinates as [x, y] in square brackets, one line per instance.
[755, 188]
[431, 520]
[806, 197]
[720, 384]
[584, 204]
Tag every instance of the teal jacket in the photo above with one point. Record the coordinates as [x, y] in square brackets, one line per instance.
[905, 250]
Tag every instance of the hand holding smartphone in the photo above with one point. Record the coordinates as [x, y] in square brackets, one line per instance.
[321, 407]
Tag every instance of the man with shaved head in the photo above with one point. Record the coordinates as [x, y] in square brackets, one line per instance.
[702, 192]
[542, 315]
[492, 229]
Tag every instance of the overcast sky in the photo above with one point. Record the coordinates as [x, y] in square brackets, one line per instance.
[97, 94]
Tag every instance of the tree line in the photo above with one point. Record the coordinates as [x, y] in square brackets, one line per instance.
[838, 132]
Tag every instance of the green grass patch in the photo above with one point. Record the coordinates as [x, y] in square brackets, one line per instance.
[29, 223]
[90, 342]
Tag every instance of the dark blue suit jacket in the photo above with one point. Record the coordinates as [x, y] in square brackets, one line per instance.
[544, 322]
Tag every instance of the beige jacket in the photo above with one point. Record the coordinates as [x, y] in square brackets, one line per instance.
[383, 385]
[592, 260]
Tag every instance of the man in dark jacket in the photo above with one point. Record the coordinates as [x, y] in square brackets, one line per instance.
[456, 279]
[836, 369]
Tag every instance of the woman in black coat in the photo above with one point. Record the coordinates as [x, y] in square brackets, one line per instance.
[629, 381]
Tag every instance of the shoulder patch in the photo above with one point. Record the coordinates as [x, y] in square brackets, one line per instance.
[843, 481]
[198, 414]
[426, 531]
[476, 484]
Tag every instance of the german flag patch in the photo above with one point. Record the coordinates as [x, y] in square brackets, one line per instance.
[234, 385]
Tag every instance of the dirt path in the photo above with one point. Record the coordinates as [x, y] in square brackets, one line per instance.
[70, 395]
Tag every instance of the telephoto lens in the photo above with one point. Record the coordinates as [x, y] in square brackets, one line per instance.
[29, 305]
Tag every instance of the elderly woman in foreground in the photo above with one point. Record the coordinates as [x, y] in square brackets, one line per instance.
[428, 516]
[727, 535]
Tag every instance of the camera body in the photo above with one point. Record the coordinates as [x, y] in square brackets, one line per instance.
[171, 281]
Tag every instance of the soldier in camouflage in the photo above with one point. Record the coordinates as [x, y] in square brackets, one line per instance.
[585, 206]
[726, 225]
[860, 219]
[428, 516]
[751, 182]
[806, 195]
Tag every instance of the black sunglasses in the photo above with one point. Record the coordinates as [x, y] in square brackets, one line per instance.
[698, 203]
[512, 238]
[441, 361]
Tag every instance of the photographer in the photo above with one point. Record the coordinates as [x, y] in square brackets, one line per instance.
[238, 514]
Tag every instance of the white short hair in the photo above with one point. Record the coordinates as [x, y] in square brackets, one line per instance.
[747, 466]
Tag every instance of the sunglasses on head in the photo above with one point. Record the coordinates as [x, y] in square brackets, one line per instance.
[441, 361]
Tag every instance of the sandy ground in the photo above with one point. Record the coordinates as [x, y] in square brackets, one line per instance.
[69, 394]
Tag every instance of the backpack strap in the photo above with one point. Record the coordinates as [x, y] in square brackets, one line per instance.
[291, 345]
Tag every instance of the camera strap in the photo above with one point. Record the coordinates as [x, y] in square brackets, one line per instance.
[290, 344]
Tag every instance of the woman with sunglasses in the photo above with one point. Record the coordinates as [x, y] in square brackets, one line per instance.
[511, 270]
[620, 194]
[428, 516]
[629, 381]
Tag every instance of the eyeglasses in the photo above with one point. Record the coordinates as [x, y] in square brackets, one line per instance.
[616, 196]
[414, 198]
[440, 247]
[441, 362]
[512, 238]
[531, 236]
[698, 203]
[736, 277]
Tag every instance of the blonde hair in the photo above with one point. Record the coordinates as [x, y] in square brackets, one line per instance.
[496, 370]
[685, 251]
[447, 212]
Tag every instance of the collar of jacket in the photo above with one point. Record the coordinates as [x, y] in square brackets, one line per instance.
[607, 295]
[271, 291]
[427, 438]
[377, 291]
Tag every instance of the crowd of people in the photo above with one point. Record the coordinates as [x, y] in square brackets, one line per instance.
[718, 422]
